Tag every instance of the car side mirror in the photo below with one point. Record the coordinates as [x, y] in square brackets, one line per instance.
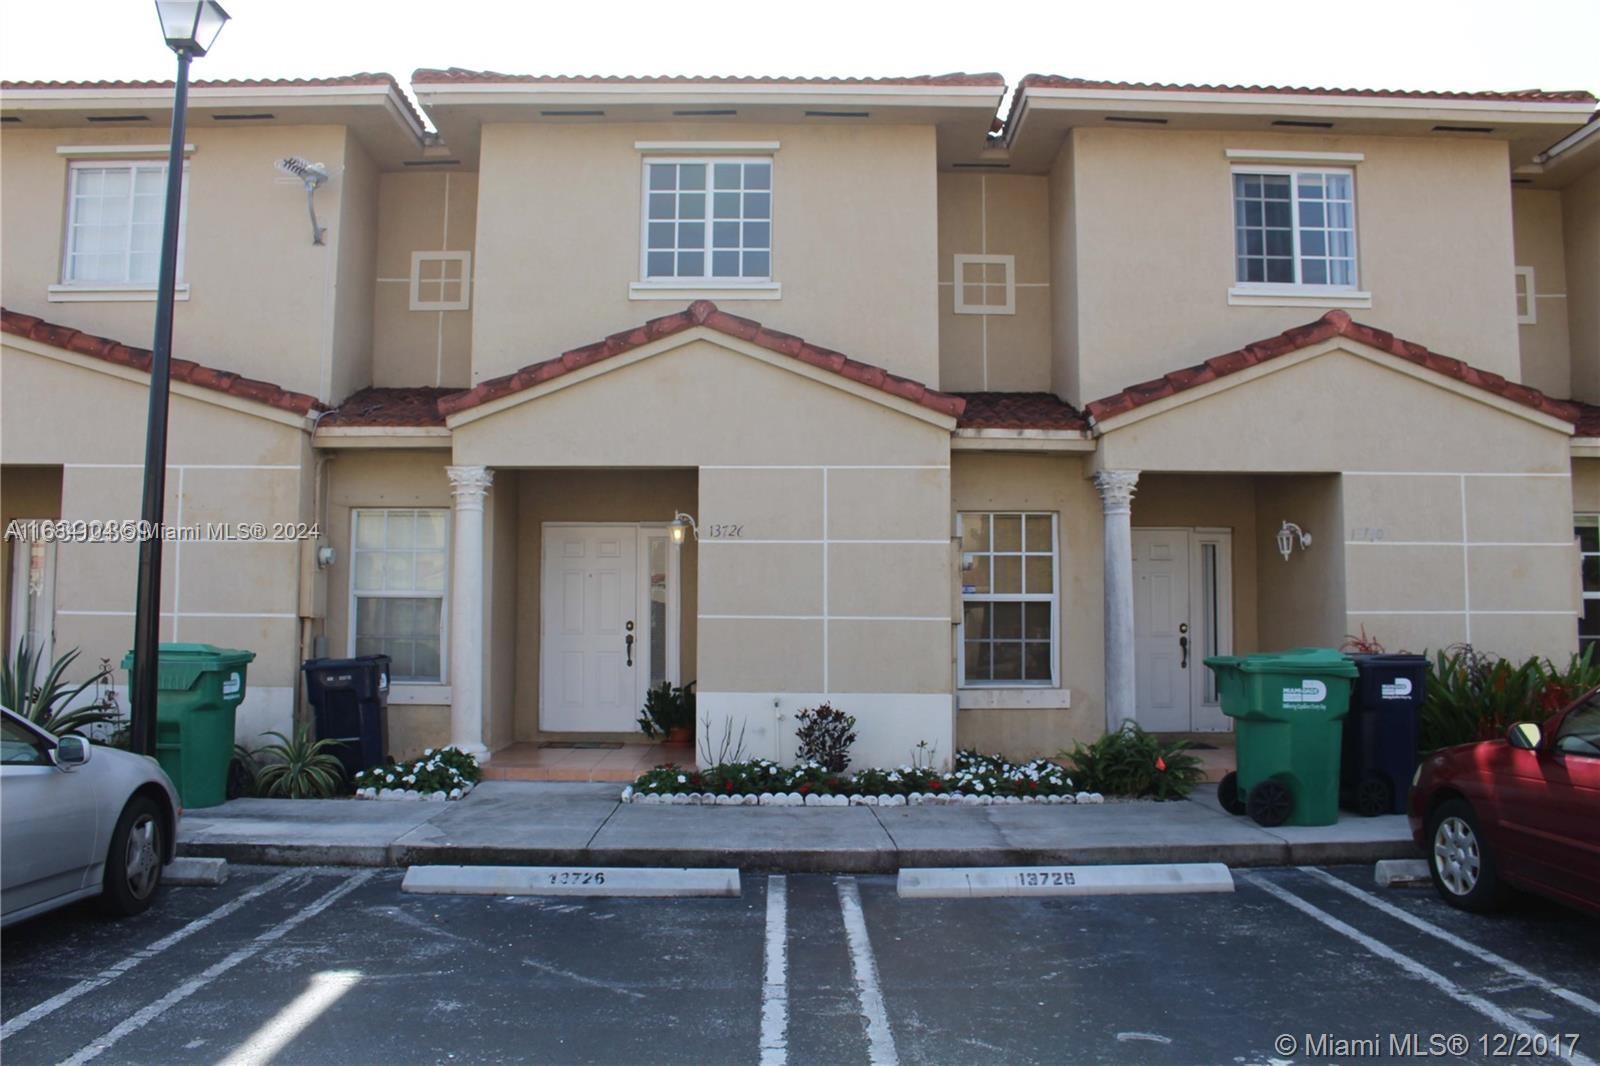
[71, 752]
[1524, 735]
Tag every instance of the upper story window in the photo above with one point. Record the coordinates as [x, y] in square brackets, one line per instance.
[1294, 227]
[708, 221]
[114, 216]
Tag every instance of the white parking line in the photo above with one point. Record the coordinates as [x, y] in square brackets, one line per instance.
[880, 1040]
[775, 982]
[111, 973]
[1578, 1000]
[280, 1030]
[1507, 1021]
[140, 1019]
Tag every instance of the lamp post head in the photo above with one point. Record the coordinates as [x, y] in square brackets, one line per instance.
[680, 528]
[190, 26]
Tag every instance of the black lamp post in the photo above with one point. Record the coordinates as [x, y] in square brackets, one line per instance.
[190, 27]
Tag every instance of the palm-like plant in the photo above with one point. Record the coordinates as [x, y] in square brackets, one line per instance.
[301, 768]
[48, 701]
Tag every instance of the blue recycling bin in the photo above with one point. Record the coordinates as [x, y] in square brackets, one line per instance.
[1378, 754]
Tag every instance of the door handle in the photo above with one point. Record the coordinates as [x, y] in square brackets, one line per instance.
[1183, 643]
[629, 642]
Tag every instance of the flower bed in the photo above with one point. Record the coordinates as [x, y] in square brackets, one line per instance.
[439, 774]
[975, 780]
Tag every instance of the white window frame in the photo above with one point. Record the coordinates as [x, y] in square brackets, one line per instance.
[462, 303]
[70, 291]
[676, 288]
[1053, 598]
[1580, 520]
[408, 684]
[1528, 298]
[1009, 262]
[1297, 293]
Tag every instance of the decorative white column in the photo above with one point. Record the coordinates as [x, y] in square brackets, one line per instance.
[1116, 499]
[469, 485]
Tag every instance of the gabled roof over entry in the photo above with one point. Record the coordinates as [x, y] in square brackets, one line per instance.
[1331, 325]
[704, 314]
[184, 370]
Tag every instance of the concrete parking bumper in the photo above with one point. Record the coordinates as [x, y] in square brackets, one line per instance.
[517, 823]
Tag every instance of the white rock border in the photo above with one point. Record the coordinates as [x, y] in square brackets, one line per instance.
[796, 799]
[413, 794]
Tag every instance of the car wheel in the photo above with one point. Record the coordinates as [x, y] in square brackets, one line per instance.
[1228, 793]
[1462, 868]
[133, 864]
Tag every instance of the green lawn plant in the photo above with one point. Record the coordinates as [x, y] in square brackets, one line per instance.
[1132, 762]
[45, 699]
[1474, 696]
[973, 774]
[301, 768]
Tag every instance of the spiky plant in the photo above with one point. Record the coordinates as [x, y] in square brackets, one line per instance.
[47, 701]
[301, 768]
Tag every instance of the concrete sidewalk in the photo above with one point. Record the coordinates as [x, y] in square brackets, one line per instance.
[579, 824]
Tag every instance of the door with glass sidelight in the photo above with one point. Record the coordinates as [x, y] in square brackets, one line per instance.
[608, 618]
[1182, 612]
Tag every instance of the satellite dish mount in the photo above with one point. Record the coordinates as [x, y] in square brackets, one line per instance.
[311, 175]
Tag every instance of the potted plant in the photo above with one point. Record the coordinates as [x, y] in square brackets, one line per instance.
[668, 714]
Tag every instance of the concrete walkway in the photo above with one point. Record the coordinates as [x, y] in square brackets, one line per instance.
[559, 823]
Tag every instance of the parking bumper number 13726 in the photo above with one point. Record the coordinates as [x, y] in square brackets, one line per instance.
[578, 877]
[1045, 878]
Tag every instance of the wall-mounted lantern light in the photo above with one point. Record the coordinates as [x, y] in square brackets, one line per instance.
[1288, 535]
[683, 525]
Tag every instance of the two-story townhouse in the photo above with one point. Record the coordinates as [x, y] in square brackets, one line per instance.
[553, 415]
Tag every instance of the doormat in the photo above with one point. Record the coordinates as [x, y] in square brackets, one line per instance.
[609, 745]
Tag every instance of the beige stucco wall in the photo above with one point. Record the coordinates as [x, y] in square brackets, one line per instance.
[996, 214]
[25, 492]
[1300, 600]
[585, 496]
[1154, 234]
[262, 297]
[427, 212]
[225, 465]
[1580, 216]
[1000, 482]
[350, 361]
[1063, 223]
[854, 244]
[1544, 344]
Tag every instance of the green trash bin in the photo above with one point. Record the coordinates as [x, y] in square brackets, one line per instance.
[198, 691]
[1288, 708]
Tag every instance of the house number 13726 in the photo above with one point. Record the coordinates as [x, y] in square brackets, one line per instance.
[724, 532]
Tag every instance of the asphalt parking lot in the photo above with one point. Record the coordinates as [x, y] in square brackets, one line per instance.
[338, 966]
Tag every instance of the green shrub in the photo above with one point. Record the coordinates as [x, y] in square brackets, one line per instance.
[46, 700]
[825, 734]
[667, 707]
[301, 768]
[1131, 762]
[435, 770]
[1476, 696]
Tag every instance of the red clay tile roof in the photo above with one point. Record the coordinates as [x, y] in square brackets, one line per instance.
[1056, 81]
[704, 313]
[388, 407]
[184, 370]
[1019, 410]
[462, 76]
[1332, 324]
[1588, 419]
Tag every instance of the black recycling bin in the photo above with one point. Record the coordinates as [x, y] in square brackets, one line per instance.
[1378, 755]
[350, 704]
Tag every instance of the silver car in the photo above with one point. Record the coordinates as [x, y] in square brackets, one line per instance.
[78, 820]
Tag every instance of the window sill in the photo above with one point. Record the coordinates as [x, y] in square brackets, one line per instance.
[1013, 698]
[1296, 296]
[69, 294]
[419, 692]
[655, 290]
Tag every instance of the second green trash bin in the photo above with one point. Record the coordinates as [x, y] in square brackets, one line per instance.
[1287, 708]
[198, 691]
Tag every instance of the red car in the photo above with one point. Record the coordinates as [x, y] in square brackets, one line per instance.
[1523, 812]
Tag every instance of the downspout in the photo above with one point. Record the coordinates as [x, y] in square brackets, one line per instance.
[310, 568]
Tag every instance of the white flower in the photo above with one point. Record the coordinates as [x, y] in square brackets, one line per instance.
[682, 780]
[978, 786]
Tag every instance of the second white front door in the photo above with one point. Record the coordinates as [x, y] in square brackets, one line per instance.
[1182, 612]
[593, 659]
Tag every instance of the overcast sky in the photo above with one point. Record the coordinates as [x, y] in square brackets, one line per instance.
[1403, 44]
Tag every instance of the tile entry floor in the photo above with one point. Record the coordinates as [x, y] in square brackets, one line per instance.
[531, 762]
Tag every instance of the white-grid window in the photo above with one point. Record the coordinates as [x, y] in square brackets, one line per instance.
[1588, 527]
[398, 561]
[1294, 226]
[986, 284]
[1527, 307]
[708, 220]
[1009, 609]
[441, 281]
[114, 216]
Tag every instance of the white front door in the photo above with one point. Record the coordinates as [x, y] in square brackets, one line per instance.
[1162, 656]
[592, 664]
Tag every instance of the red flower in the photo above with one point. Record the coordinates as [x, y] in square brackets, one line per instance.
[1161, 764]
[1034, 785]
[804, 788]
[935, 783]
[728, 786]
